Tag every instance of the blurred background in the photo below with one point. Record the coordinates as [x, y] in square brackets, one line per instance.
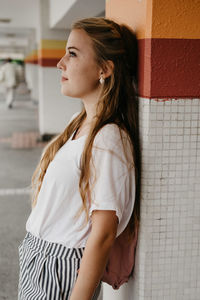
[33, 36]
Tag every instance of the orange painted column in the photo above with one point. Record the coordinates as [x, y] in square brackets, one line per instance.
[169, 44]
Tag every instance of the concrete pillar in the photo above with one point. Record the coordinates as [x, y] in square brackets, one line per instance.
[55, 109]
[168, 254]
[31, 72]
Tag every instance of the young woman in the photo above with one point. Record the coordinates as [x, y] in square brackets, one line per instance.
[86, 186]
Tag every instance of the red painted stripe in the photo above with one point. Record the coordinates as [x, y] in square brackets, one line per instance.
[169, 68]
[48, 62]
[31, 61]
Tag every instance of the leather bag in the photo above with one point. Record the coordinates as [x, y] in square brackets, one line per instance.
[121, 261]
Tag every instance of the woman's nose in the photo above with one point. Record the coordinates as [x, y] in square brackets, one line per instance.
[60, 64]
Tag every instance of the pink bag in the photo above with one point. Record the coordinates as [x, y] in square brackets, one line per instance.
[121, 260]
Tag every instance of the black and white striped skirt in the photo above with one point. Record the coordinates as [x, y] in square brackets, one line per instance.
[48, 270]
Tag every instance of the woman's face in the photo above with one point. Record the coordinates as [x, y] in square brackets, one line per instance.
[80, 72]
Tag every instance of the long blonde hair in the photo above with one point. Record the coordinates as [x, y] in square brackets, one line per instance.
[118, 104]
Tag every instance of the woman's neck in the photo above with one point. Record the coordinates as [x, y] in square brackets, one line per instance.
[90, 104]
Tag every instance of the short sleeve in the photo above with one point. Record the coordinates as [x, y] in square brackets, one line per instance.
[112, 171]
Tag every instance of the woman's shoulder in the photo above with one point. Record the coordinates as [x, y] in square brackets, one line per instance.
[113, 140]
[110, 135]
[110, 128]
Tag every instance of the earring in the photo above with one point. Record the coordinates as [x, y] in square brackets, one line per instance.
[101, 80]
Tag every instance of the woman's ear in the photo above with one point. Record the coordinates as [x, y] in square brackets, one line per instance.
[107, 69]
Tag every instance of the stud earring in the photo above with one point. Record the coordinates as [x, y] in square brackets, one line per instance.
[101, 80]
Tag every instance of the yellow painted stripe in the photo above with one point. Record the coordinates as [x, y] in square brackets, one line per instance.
[52, 44]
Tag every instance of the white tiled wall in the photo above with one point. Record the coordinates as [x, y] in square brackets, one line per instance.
[168, 255]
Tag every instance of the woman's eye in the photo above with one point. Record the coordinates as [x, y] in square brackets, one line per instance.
[72, 54]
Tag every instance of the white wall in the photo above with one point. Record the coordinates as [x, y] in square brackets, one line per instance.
[55, 110]
[123, 293]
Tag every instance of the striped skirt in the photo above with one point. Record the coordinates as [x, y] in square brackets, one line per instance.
[48, 271]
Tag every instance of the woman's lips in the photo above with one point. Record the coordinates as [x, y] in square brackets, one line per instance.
[63, 78]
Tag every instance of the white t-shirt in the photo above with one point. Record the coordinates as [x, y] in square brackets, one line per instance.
[59, 200]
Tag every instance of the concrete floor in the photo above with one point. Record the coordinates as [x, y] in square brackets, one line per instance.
[18, 159]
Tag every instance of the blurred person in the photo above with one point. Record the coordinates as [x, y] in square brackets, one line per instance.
[22, 85]
[9, 78]
[86, 184]
[19, 69]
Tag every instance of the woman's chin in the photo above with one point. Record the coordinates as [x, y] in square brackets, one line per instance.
[64, 91]
[67, 93]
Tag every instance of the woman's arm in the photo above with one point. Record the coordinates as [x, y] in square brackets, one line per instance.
[95, 256]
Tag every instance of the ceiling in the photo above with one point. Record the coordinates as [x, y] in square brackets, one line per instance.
[67, 12]
[19, 20]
